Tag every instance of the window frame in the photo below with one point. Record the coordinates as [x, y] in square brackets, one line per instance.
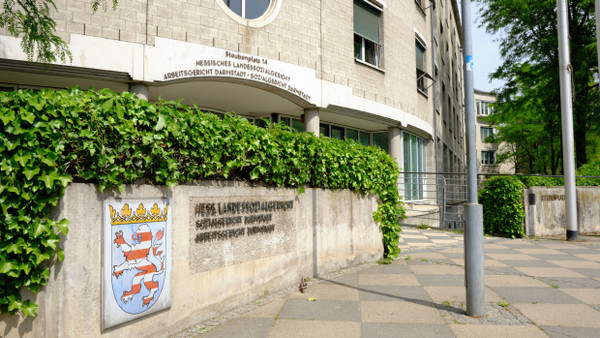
[414, 182]
[363, 41]
[489, 158]
[489, 131]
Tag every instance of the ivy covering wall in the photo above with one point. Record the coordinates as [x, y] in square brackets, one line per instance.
[51, 138]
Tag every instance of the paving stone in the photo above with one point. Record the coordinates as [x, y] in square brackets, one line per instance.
[269, 310]
[323, 291]
[512, 280]
[398, 266]
[392, 293]
[511, 257]
[539, 251]
[496, 331]
[571, 315]
[561, 332]
[588, 272]
[248, 327]
[563, 282]
[338, 310]
[557, 257]
[443, 294]
[399, 312]
[382, 330]
[346, 279]
[437, 269]
[589, 257]
[287, 328]
[387, 279]
[548, 272]
[528, 263]
[588, 296]
[493, 263]
[534, 295]
[441, 280]
[576, 264]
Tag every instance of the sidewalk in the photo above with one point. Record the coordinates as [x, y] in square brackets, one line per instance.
[534, 288]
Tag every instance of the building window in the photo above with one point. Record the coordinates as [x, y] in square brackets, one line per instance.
[486, 132]
[484, 108]
[367, 44]
[248, 9]
[414, 167]
[420, 58]
[488, 157]
[381, 140]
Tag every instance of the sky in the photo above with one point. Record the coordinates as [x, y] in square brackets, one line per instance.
[486, 53]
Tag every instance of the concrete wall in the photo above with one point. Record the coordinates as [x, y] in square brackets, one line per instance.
[545, 210]
[331, 230]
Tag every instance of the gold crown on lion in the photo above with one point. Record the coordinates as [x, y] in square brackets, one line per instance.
[141, 214]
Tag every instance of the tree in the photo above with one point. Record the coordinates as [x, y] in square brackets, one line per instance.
[32, 20]
[531, 96]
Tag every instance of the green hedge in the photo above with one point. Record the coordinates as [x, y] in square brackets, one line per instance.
[502, 201]
[51, 138]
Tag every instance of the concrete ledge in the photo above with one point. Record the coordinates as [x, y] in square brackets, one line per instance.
[331, 230]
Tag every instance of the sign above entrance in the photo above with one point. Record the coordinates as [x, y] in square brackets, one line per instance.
[197, 61]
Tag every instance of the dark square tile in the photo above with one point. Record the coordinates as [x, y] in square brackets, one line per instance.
[340, 310]
[345, 279]
[563, 332]
[571, 282]
[593, 273]
[554, 257]
[533, 295]
[526, 263]
[441, 280]
[392, 293]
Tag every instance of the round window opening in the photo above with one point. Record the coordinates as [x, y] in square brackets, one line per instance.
[249, 9]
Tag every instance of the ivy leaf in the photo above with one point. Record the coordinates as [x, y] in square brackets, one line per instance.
[62, 226]
[29, 308]
[7, 266]
[161, 123]
[29, 173]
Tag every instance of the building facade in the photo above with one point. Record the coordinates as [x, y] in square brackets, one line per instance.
[487, 151]
[383, 73]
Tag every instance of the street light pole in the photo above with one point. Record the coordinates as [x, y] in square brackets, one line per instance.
[474, 270]
[566, 107]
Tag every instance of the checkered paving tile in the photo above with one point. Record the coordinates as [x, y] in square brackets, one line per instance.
[546, 288]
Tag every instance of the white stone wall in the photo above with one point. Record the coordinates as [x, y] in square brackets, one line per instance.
[546, 216]
[332, 230]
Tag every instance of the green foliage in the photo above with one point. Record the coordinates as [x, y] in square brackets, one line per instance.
[502, 201]
[589, 169]
[528, 110]
[31, 20]
[542, 181]
[51, 138]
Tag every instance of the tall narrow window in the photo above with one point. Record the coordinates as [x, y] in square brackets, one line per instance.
[414, 167]
[367, 43]
[381, 140]
[420, 58]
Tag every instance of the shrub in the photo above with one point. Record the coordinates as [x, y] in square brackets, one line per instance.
[501, 198]
[589, 169]
[50, 138]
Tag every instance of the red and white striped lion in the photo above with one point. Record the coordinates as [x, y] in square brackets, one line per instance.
[137, 257]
